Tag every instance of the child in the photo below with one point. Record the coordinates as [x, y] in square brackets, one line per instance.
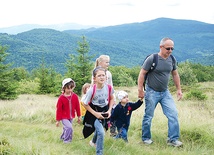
[122, 114]
[85, 88]
[98, 106]
[104, 61]
[67, 106]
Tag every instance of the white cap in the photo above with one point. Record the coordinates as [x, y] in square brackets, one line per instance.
[121, 95]
[65, 81]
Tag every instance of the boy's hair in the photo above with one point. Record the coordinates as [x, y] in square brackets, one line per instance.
[121, 94]
[94, 73]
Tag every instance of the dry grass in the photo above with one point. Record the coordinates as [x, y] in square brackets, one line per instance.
[28, 125]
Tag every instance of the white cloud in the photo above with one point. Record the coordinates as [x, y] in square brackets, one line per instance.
[101, 12]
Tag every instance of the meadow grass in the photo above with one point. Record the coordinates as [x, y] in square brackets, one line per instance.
[27, 127]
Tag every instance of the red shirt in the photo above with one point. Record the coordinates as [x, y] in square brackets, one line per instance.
[66, 109]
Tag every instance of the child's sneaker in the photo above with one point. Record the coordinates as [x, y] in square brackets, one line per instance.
[92, 144]
[113, 130]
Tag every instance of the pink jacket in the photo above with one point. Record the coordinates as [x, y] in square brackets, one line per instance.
[63, 107]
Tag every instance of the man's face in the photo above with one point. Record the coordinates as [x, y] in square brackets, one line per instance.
[167, 48]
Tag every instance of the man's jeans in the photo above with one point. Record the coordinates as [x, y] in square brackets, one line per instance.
[169, 109]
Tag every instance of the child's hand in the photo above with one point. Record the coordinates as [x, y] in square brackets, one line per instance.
[109, 113]
[79, 120]
[57, 124]
[141, 99]
[98, 115]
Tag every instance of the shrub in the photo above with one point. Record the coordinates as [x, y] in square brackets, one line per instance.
[196, 95]
[5, 147]
[186, 74]
[28, 87]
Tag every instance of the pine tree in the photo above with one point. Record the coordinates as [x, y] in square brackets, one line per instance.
[46, 79]
[8, 86]
[80, 66]
[43, 79]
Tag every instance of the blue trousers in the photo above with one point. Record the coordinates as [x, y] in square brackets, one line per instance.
[99, 137]
[152, 98]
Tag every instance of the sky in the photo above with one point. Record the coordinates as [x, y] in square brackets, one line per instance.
[101, 12]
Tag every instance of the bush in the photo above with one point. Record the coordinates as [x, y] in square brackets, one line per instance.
[28, 87]
[196, 95]
[5, 148]
[186, 74]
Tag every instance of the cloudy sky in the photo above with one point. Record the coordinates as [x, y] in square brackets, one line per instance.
[101, 12]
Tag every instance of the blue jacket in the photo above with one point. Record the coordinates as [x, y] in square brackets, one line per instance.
[121, 115]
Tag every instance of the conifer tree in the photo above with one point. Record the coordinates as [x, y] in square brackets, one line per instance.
[47, 79]
[80, 66]
[43, 79]
[8, 86]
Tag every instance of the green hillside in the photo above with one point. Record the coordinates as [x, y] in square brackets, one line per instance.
[126, 44]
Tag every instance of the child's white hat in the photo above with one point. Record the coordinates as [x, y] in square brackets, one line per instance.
[65, 81]
[121, 94]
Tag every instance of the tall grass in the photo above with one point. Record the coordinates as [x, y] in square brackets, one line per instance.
[27, 127]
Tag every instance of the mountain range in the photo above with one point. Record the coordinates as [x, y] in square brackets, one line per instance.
[126, 44]
[60, 27]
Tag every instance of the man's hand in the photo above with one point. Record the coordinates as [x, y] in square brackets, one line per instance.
[179, 95]
[141, 94]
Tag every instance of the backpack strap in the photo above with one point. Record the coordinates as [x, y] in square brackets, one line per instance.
[173, 61]
[109, 93]
[93, 92]
[153, 66]
[155, 62]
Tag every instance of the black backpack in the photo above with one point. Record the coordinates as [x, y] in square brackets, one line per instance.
[154, 64]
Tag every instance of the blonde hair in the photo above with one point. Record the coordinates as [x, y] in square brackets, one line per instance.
[84, 88]
[100, 59]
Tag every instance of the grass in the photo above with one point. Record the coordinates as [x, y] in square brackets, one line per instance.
[27, 127]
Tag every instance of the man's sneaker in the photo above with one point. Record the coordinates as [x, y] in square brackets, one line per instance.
[92, 144]
[175, 143]
[148, 141]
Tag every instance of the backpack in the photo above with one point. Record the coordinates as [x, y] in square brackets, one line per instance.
[154, 64]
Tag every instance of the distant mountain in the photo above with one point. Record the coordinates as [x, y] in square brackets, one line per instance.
[126, 44]
[59, 27]
[193, 39]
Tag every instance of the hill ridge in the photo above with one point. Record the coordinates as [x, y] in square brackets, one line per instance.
[126, 44]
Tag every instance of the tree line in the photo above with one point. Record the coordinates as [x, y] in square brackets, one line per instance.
[79, 66]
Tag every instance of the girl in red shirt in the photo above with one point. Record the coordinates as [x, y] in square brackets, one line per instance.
[67, 106]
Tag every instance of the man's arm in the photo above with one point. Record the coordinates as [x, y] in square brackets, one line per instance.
[140, 82]
[176, 79]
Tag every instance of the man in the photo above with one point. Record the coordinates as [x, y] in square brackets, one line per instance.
[157, 92]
